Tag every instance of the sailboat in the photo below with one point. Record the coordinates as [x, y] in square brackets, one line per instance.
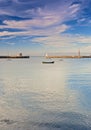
[46, 55]
[48, 61]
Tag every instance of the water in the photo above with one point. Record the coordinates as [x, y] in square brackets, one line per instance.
[36, 96]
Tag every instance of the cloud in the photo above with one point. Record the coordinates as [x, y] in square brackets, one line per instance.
[53, 40]
[43, 17]
[60, 14]
[11, 43]
[86, 49]
[6, 37]
[75, 41]
[25, 24]
[36, 32]
[84, 39]
[39, 8]
[47, 19]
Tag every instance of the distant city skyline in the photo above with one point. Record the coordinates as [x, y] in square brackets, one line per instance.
[35, 27]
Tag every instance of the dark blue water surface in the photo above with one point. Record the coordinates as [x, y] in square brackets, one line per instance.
[36, 96]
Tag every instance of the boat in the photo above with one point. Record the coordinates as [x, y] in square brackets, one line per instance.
[47, 62]
[61, 60]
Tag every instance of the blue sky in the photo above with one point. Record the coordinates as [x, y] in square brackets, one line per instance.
[35, 27]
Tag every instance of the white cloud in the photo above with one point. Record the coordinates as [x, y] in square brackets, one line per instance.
[58, 15]
[11, 43]
[46, 31]
[4, 12]
[84, 39]
[71, 41]
[7, 37]
[86, 49]
[26, 24]
[41, 17]
[46, 21]
[53, 38]
[51, 20]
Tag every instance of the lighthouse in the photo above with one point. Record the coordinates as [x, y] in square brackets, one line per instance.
[79, 53]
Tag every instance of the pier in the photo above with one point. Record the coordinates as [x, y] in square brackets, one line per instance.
[15, 56]
[68, 56]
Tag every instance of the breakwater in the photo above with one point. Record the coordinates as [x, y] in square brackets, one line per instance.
[1, 57]
[68, 57]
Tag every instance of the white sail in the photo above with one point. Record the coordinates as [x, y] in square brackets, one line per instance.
[46, 55]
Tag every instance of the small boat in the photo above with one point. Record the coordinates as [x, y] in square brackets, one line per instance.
[61, 60]
[47, 62]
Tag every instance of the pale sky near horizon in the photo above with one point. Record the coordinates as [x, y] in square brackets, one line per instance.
[35, 27]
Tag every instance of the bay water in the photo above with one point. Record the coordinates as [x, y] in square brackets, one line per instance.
[36, 96]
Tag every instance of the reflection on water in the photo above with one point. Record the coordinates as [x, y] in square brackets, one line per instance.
[40, 96]
[68, 121]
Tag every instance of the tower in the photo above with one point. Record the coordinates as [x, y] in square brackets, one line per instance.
[79, 53]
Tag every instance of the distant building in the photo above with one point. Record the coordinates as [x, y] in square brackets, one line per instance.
[20, 54]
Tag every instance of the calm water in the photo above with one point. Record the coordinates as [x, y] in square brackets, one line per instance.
[36, 96]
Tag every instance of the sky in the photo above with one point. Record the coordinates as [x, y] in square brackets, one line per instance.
[36, 27]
